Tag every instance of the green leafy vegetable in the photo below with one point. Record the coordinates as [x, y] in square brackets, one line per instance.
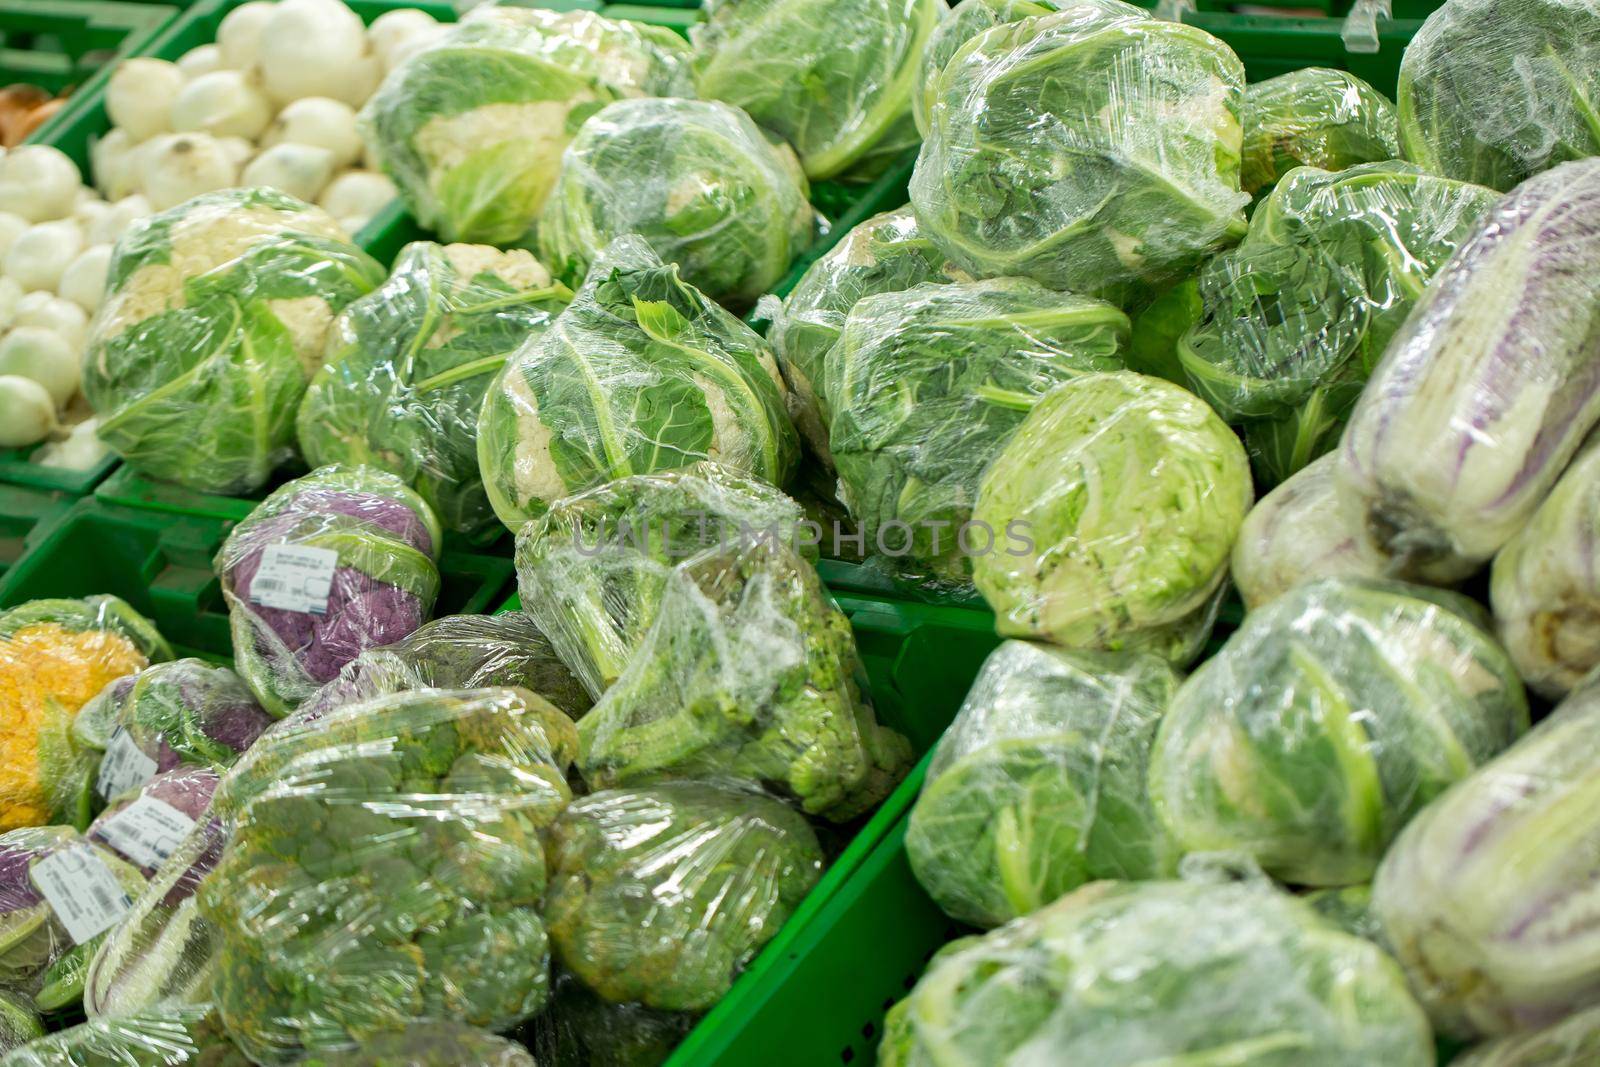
[1313, 117]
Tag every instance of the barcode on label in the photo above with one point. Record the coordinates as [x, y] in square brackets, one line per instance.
[86, 897]
[266, 584]
[146, 832]
[294, 578]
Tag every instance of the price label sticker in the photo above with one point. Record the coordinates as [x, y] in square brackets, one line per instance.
[146, 831]
[294, 578]
[82, 891]
[123, 767]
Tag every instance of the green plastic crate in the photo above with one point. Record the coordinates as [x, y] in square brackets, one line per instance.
[60, 44]
[25, 516]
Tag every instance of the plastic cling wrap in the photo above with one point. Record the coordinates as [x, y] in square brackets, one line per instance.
[19, 1023]
[834, 78]
[408, 365]
[925, 386]
[429, 1045]
[1039, 784]
[1328, 720]
[1488, 389]
[1483, 895]
[329, 565]
[385, 867]
[1126, 974]
[965, 21]
[163, 1036]
[1572, 1042]
[1495, 91]
[1313, 117]
[661, 896]
[1114, 509]
[1090, 149]
[55, 656]
[213, 322]
[471, 128]
[642, 373]
[697, 179]
[583, 1029]
[750, 672]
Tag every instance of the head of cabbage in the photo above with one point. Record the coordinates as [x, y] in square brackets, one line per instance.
[215, 317]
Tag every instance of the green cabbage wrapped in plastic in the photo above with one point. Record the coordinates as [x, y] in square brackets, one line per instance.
[593, 569]
[698, 180]
[1572, 1042]
[1157, 974]
[834, 78]
[1113, 510]
[1039, 784]
[385, 868]
[1328, 720]
[408, 366]
[214, 320]
[1313, 117]
[472, 127]
[19, 1023]
[965, 21]
[887, 253]
[438, 1044]
[1484, 897]
[661, 896]
[1294, 319]
[1496, 91]
[927, 385]
[642, 373]
[749, 672]
[168, 1035]
[1094, 150]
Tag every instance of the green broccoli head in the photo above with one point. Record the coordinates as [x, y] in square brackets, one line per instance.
[661, 896]
[385, 868]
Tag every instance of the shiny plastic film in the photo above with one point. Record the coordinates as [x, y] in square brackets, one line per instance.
[1572, 1042]
[642, 373]
[1349, 908]
[214, 320]
[1313, 117]
[965, 21]
[19, 1023]
[1094, 150]
[593, 569]
[580, 1028]
[472, 127]
[1487, 390]
[661, 896]
[458, 652]
[1298, 533]
[161, 1036]
[1478, 894]
[1125, 974]
[925, 386]
[1039, 784]
[1496, 91]
[698, 180]
[1114, 509]
[385, 867]
[56, 656]
[439, 1044]
[749, 672]
[329, 565]
[1329, 719]
[1544, 588]
[833, 78]
[887, 253]
[408, 366]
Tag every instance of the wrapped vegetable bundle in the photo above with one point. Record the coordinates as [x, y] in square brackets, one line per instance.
[59, 894]
[1113, 509]
[328, 566]
[1572, 1042]
[1038, 162]
[887, 253]
[642, 373]
[593, 569]
[408, 365]
[1039, 784]
[185, 713]
[1313, 117]
[168, 1035]
[457, 652]
[1298, 533]
[583, 1029]
[1484, 895]
[965, 21]
[440, 1044]
[833, 78]
[1544, 587]
[1328, 720]
[1496, 91]
[661, 896]
[926, 385]
[19, 1023]
[55, 655]
[1122, 974]
[697, 179]
[1488, 389]
[385, 867]
[214, 320]
[472, 127]
[748, 672]
[1294, 319]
